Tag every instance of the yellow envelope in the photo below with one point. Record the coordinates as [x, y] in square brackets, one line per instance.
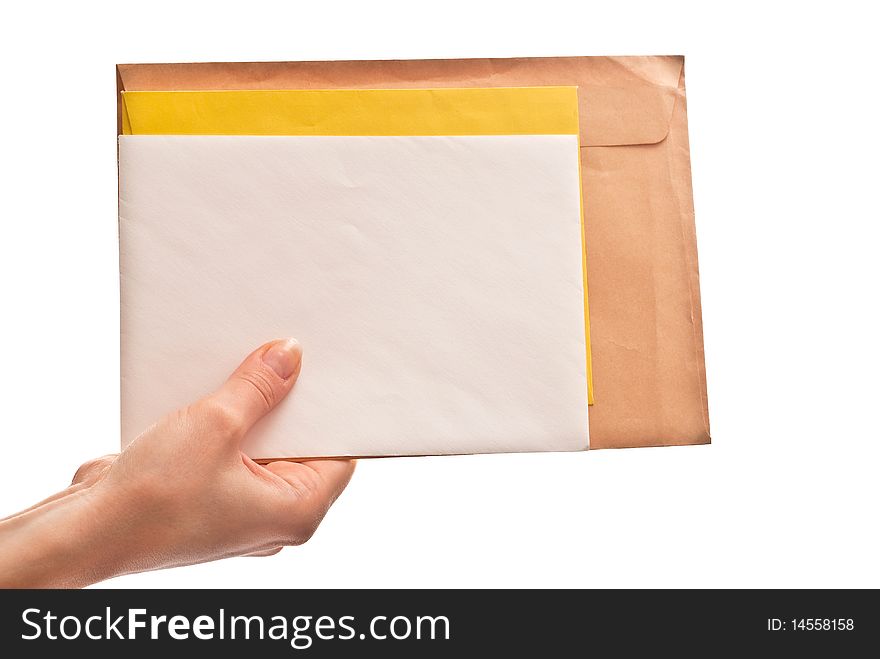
[443, 111]
[493, 111]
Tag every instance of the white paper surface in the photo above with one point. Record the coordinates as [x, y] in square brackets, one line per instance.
[435, 284]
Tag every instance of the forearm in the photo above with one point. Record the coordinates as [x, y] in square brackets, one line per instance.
[61, 543]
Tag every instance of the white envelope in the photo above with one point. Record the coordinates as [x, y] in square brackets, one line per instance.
[435, 283]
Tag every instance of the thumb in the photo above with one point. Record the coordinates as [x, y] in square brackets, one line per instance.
[262, 380]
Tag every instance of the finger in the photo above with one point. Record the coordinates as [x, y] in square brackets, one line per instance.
[335, 474]
[262, 380]
[320, 480]
[311, 488]
[264, 552]
[88, 473]
[91, 471]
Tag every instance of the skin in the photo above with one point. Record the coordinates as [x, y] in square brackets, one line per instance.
[181, 493]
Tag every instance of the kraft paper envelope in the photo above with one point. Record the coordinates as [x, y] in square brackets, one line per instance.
[646, 324]
[436, 280]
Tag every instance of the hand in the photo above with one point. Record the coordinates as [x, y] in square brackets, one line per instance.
[181, 493]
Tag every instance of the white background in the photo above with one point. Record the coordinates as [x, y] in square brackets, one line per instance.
[782, 101]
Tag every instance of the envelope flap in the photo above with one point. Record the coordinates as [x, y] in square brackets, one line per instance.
[623, 100]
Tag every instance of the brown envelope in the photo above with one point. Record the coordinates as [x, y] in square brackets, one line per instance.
[649, 372]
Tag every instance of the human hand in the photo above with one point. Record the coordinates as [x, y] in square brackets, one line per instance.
[181, 493]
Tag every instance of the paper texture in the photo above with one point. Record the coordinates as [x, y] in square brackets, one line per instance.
[435, 282]
[646, 329]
